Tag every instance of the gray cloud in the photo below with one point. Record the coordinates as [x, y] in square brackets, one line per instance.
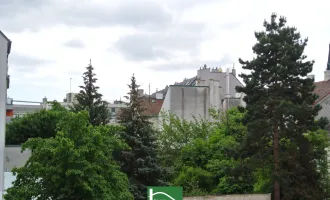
[194, 64]
[25, 63]
[75, 43]
[18, 15]
[150, 46]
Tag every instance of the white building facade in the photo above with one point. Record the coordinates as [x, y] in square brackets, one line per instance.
[211, 88]
[5, 47]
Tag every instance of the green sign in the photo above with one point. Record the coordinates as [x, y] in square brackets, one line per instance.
[165, 193]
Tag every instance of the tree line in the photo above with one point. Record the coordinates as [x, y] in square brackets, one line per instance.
[274, 144]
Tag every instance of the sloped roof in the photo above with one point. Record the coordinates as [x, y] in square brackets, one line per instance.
[187, 81]
[322, 89]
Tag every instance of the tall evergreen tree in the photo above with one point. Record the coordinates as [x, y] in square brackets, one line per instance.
[90, 100]
[279, 101]
[140, 163]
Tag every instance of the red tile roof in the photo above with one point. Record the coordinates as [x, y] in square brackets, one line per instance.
[152, 108]
[322, 89]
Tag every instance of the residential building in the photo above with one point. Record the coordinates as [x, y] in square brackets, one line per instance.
[114, 110]
[5, 47]
[152, 104]
[322, 89]
[211, 88]
[70, 98]
[20, 108]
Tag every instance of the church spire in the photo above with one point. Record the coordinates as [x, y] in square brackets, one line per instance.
[328, 64]
[327, 71]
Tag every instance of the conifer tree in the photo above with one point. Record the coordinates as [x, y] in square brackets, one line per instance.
[90, 99]
[279, 101]
[140, 163]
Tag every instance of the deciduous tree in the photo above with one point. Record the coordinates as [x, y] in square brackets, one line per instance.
[32, 125]
[77, 164]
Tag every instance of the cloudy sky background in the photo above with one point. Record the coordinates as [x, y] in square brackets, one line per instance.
[161, 41]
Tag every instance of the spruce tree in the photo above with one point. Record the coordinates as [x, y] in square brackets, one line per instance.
[140, 163]
[279, 101]
[90, 100]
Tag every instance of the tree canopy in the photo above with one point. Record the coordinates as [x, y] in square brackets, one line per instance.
[280, 111]
[90, 99]
[75, 164]
[140, 162]
[40, 124]
[205, 156]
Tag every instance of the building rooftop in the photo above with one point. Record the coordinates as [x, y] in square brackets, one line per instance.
[186, 81]
[322, 89]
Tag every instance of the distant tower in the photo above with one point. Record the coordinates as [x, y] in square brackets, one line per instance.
[327, 72]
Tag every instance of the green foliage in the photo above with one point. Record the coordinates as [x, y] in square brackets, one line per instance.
[280, 109]
[176, 134]
[207, 162]
[195, 181]
[139, 163]
[40, 124]
[90, 99]
[76, 164]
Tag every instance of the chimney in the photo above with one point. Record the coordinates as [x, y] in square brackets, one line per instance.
[227, 84]
[233, 71]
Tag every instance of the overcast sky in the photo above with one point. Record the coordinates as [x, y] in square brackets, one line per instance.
[160, 41]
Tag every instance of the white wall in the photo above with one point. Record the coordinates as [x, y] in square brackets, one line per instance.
[325, 111]
[186, 102]
[3, 99]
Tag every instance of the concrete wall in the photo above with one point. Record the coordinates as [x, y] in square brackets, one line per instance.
[233, 197]
[186, 102]
[204, 76]
[15, 158]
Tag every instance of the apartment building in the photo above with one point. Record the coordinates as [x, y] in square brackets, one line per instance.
[5, 47]
[211, 88]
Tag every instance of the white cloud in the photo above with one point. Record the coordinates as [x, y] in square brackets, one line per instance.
[185, 34]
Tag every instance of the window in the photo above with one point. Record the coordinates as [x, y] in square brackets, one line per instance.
[113, 110]
[153, 101]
